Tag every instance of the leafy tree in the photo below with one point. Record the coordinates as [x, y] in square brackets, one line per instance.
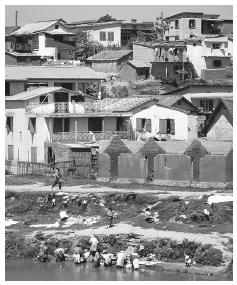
[106, 18]
[85, 47]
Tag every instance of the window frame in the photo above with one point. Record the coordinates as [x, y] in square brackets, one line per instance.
[194, 24]
[216, 45]
[207, 105]
[103, 36]
[176, 24]
[215, 63]
[109, 36]
[9, 125]
[32, 125]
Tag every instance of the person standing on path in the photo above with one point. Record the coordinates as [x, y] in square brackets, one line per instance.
[57, 178]
[110, 216]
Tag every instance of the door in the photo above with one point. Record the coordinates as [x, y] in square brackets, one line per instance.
[33, 154]
[51, 156]
[10, 152]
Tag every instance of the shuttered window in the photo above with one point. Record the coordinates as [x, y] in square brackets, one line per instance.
[143, 124]
[9, 124]
[167, 126]
[32, 125]
[102, 36]
[110, 36]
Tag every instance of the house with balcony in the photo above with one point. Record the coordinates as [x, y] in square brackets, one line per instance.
[77, 78]
[186, 25]
[209, 56]
[51, 39]
[43, 119]
[105, 33]
[167, 59]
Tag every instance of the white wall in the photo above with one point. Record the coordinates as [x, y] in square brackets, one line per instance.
[46, 51]
[23, 142]
[95, 35]
[221, 130]
[156, 112]
[195, 56]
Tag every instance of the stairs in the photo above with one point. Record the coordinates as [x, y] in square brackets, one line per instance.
[194, 72]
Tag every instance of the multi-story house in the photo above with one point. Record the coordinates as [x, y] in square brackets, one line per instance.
[47, 38]
[77, 78]
[164, 59]
[186, 25]
[210, 56]
[130, 30]
[106, 33]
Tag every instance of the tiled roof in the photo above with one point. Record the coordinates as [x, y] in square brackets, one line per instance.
[116, 104]
[109, 55]
[49, 72]
[32, 93]
[33, 28]
[10, 29]
[139, 63]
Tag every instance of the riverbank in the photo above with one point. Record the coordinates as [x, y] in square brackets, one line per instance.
[181, 227]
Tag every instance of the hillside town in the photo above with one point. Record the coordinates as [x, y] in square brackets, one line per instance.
[125, 117]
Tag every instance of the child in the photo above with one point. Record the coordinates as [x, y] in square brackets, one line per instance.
[187, 260]
[110, 215]
[148, 218]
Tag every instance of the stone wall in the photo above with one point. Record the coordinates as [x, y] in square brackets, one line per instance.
[175, 167]
[131, 166]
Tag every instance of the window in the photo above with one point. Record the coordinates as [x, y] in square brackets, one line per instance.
[216, 46]
[43, 99]
[59, 56]
[167, 126]
[10, 152]
[177, 67]
[32, 125]
[56, 26]
[32, 85]
[95, 124]
[102, 36]
[217, 63]
[206, 105]
[176, 38]
[9, 124]
[143, 124]
[192, 24]
[110, 36]
[7, 88]
[61, 125]
[176, 24]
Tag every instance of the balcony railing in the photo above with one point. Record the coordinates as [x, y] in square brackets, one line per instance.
[67, 107]
[86, 137]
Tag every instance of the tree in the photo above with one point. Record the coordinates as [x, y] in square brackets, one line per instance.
[85, 47]
[106, 18]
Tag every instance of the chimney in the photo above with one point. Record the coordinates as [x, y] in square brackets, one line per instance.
[134, 21]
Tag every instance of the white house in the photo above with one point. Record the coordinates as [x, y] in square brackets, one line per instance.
[46, 38]
[106, 34]
[209, 56]
[57, 115]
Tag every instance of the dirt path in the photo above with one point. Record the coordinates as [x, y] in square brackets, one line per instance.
[219, 241]
[88, 188]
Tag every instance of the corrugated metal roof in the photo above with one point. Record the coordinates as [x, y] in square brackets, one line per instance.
[22, 54]
[32, 93]
[49, 72]
[33, 28]
[59, 32]
[139, 63]
[109, 55]
[10, 29]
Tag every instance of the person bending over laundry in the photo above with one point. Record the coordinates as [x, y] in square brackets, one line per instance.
[187, 260]
[60, 254]
[94, 245]
[120, 259]
[148, 217]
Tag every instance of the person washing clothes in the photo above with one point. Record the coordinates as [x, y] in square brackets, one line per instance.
[110, 216]
[94, 245]
[60, 254]
[148, 218]
[187, 260]
[120, 259]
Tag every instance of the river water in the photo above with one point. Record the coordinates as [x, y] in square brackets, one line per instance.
[67, 271]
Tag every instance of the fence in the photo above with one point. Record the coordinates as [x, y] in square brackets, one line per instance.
[33, 168]
[8, 166]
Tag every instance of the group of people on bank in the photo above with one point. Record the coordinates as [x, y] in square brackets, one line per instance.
[122, 259]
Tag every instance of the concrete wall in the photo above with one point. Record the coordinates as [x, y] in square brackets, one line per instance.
[175, 167]
[221, 130]
[192, 127]
[209, 62]
[110, 124]
[166, 69]
[213, 168]
[105, 66]
[229, 166]
[143, 53]
[213, 73]
[131, 166]
[194, 53]
[104, 163]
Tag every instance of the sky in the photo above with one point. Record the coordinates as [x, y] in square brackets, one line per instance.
[70, 13]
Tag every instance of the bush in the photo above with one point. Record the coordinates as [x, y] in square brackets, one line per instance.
[207, 255]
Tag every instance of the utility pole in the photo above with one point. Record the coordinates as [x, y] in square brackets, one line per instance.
[16, 18]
